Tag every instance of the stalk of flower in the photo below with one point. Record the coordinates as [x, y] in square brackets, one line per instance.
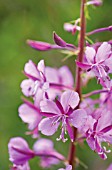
[72, 150]
[99, 30]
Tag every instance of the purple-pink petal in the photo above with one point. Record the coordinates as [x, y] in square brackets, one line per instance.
[103, 52]
[49, 106]
[29, 115]
[31, 69]
[104, 120]
[91, 142]
[41, 66]
[70, 131]
[90, 55]
[27, 87]
[78, 118]
[48, 127]
[69, 99]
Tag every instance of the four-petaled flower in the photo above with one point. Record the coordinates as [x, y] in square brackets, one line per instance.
[100, 130]
[99, 62]
[50, 80]
[62, 111]
[37, 79]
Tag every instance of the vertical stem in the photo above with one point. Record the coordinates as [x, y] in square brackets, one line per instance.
[72, 151]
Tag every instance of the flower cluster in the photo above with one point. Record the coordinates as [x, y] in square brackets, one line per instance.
[51, 102]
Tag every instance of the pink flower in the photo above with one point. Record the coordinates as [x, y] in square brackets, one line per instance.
[19, 151]
[49, 80]
[99, 129]
[99, 62]
[46, 147]
[37, 79]
[62, 111]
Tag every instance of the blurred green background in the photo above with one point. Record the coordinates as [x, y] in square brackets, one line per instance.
[37, 19]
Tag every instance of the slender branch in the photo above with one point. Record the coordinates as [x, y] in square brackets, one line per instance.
[94, 93]
[72, 151]
[99, 30]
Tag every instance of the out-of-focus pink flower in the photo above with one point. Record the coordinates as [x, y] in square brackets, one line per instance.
[72, 28]
[19, 151]
[46, 147]
[62, 111]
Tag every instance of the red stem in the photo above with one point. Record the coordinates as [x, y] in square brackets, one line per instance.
[72, 151]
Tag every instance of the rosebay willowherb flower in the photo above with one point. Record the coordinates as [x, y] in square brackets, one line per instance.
[53, 102]
[98, 62]
[20, 153]
[64, 112]
[46, 79]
